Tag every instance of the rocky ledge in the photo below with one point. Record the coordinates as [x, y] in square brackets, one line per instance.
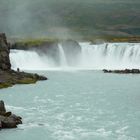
[8, 119]
[9, 77]
[126, 71]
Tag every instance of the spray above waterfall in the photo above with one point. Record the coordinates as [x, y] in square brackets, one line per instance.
[109, 56]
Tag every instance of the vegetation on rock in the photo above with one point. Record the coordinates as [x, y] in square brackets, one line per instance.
[9, 77]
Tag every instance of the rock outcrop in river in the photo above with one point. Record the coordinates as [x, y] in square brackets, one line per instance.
[126, 71]
[9, 77]
[8, 119]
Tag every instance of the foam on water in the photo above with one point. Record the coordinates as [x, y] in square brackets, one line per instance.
[85, 105]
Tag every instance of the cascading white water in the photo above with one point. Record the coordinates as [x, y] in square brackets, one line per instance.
[103, 56]
[63, 60]
[29, 60]
[110, 56]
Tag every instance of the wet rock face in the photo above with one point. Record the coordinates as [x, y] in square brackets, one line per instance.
[72, 51]
[4, 53]
[7, 119]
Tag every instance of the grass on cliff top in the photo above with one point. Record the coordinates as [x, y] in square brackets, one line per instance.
[29, 42]
[114, 39]
[5, 85]
[34, 41]
[27, 81]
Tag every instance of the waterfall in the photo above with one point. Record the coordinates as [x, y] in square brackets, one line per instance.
[110, 56]
[29, 60]
[103, 56]
[63, 60]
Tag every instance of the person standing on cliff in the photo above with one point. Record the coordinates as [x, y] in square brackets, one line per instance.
[18, 70]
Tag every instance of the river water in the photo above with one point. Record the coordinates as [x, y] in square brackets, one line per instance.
[76, 105]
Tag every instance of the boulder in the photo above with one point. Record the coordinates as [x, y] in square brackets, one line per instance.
[2, 108]
[7, 122]
[7, 119]
[17, 119]
[7, 114]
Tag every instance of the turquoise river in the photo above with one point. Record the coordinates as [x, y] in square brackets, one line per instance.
[76, 105]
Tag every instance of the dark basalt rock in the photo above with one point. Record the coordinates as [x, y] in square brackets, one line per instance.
[2, 108]
[126, 71]
[7, 119]
[4, 53]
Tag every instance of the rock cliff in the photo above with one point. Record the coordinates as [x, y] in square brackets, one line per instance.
[9, 77]
[4, 53]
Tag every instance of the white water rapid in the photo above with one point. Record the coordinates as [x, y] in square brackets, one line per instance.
[103, 56]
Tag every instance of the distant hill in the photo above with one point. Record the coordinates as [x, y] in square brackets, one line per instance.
[70, 18]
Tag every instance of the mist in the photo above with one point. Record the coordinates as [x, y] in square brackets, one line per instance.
[31, 18]
[68, 18]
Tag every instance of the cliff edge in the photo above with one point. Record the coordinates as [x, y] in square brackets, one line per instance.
[9, 77]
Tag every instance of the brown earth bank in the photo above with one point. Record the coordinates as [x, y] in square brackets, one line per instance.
[9, 77]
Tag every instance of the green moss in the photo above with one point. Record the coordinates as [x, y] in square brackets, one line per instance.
[5, 85]
[35, 42]
[27, 81]
[115, 39]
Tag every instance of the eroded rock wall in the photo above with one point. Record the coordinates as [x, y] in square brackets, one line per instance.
[4, 53]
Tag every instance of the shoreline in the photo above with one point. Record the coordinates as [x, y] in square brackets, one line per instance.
[9, 77]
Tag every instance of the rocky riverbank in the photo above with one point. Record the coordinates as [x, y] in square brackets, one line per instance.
[8, 119]
[9, 77]
[126, 71]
